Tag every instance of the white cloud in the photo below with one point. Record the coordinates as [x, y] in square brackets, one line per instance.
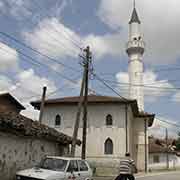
[150, 79]
[159, 24]
[28, 87]
[111, 44]
[55, 39]
[5, 84]
[29, 80]
[8, 57]
[158, 129]
[176, 97]
[18, 9]
[52, 38]
[1, 5]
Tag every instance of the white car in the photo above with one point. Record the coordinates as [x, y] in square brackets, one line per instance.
[57, 168]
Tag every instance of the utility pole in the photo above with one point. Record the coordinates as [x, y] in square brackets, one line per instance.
[76, 125]
[85, 103]
[82, 101]
[167, 150]
[42, 104]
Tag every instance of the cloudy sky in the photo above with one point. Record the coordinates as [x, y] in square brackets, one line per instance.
[59, 28]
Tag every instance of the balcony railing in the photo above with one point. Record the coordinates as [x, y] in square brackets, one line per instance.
[131, 44]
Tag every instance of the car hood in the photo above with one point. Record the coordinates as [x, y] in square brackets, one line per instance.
[40, 173]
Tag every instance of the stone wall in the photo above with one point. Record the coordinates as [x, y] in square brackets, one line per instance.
[20, 152]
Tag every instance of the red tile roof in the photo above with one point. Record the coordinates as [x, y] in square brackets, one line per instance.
[13, 100]
[91, 99]
[160, 146]
[20, 125]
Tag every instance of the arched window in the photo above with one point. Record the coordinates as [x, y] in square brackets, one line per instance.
[109, 121]
[58, 120]
[108, 146]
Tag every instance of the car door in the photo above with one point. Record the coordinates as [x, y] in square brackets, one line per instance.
[72, 172]
[85, 172]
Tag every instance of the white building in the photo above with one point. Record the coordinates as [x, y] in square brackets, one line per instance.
[158, 155]
[115, 126]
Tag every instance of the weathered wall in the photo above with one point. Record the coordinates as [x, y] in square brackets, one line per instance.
[174, 161]
[7, 105]
[97, 131]
[139, 140]
[17, 153]
[96, 115]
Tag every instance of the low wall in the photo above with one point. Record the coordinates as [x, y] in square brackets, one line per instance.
[104, 166]
[19, 152]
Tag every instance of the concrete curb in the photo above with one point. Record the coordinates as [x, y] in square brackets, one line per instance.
[156, 174]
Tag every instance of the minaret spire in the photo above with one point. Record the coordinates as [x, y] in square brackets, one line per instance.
[134, 4]
[135, 50]
[134, 16]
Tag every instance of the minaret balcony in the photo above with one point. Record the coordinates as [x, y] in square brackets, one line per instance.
[135, 47]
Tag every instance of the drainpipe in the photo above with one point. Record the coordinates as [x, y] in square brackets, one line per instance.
[145, 143]
[126, 126]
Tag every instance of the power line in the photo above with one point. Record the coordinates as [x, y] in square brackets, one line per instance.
[167, 122]
[48, 33]
[36, 51]
[55, 29]
[53, 92]
[68, 37]
[35, 62]
[102, 81]
[146, 86]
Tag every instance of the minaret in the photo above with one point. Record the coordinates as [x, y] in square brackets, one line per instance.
[135, 51]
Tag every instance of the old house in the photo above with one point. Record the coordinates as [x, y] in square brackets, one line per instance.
[23, 142]
[9, 103]
[158, 154]
[115, 126]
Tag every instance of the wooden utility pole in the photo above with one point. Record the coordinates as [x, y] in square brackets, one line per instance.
[42, 104]
[86, 68]
[82, 101]
[167, 150]
[76, 125]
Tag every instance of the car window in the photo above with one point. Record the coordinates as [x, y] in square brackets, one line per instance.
[54, 164]
[73, 167]
[82, 166]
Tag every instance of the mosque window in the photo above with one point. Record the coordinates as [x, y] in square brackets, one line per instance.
[109, 121]
[58, 120]
[108, 146]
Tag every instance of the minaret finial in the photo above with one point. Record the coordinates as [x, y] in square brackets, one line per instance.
[134, 4]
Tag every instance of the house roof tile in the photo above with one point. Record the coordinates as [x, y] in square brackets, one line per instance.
[20, 125]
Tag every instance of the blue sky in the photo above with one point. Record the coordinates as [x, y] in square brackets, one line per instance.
[53, 27]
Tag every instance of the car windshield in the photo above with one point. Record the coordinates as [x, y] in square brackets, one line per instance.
[53, 164]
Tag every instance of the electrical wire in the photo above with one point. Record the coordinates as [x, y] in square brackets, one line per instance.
[139, 85]
[68, 37]
[47, 32]
[38, 52]
[37, 63]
